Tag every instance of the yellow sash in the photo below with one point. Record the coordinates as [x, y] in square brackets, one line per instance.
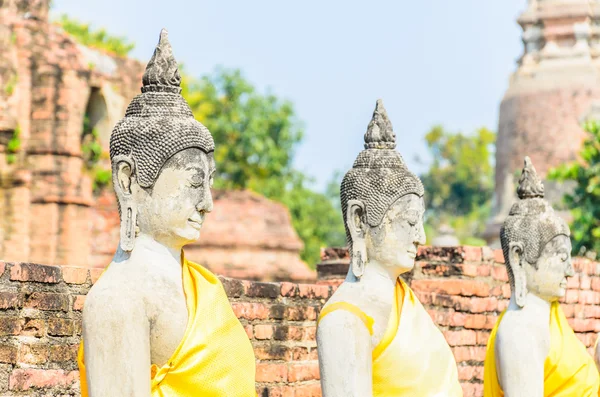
[413, 358]
[215, 357]
[569, 371]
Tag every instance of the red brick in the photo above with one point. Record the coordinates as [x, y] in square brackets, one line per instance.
[469, 353]
[589, 297]
[298, 372]
[248, 328]
[263, 331]
[95, 274]
[584, 325]
[472, 254]
[2, 267]
[487, 254]
[300, 313]
[573, 282]
[461, 338]
[250, 311]
[300, 353]
[78, 301]
[498, 256]
[462, 287]
[74, 275]
[470, 373]
[469, 269]
[271, 372]
[483, 338]
[500, 273]
[472, 389]
[479, 321]
[35, 273]
[25, 379]
[48, 301]
[307, 390]
[60, 327]
[262, 290]
[10, 300]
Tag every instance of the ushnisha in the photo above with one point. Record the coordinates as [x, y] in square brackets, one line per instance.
[156, 324]
[532, 350]
[374, 337]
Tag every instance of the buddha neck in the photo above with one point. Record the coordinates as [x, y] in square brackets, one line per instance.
[532, 302]
[146, 246]
[378, 273]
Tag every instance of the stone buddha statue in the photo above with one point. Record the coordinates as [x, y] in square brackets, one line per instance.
[532, 350]
[156, 324]
[374, 337]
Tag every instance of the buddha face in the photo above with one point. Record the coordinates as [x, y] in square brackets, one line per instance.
[173, 210]
[549, 280]
[394, 242]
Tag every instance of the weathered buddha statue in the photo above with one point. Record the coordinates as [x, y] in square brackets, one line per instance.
[374, 337]
[532, 350]
[156, 324]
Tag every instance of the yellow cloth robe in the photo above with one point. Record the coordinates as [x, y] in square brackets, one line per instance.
[215, 357]
[569, 371]
[413, 359]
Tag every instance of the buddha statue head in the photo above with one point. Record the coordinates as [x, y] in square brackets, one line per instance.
[382, 203]
[162, 160]
[535, 242]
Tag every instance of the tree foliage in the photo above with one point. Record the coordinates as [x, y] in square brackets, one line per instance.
[255, 137]
[460, 182]
[584, 201]
[98, 38]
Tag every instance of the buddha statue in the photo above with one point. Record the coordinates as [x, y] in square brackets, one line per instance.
[532, 350]
[374, 337]
[156, 324]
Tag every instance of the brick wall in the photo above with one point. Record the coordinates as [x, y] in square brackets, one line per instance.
[463, 289]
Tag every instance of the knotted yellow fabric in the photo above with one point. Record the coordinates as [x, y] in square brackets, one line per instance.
[569, 371]
[413, 359]
[215, 357]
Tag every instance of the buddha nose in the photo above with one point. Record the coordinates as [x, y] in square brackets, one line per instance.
[421, 237]
[570, 272]
[206, 204]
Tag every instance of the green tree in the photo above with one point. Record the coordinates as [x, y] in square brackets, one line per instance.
[460, 182]
[98, 38]
[255, 138]
[584, 201]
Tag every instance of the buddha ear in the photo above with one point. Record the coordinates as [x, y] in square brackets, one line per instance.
[123, 172]
[123, 168]
[515, 256]
[355, 212]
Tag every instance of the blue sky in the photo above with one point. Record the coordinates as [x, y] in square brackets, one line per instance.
[431, 61]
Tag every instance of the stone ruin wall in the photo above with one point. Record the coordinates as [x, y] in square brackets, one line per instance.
[463, 288]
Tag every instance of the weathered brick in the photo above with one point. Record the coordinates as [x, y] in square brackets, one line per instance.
[311, 389]
[479, 321]
[48, 301]
[34, 327]
[272, 351]
[74, 275]
[25, 379]
[298, 372]
[60, 327]
[277, 312]
[233, 288]
[8, 353]
[78, 301]
[498, 256]
[312, 291]
[62, 353]
[500, 273]
[471, 354]
[470, 373]
[300, 313]
[461, 338]
[250, 311]
[10, 300]
[263, 290]
[289, 289]
[36, 273]
[95, 274]
[33, 354]
[10, 325]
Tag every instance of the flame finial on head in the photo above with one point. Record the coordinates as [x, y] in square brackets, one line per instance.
[162, 71]
[530, 184]
[380, 134]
